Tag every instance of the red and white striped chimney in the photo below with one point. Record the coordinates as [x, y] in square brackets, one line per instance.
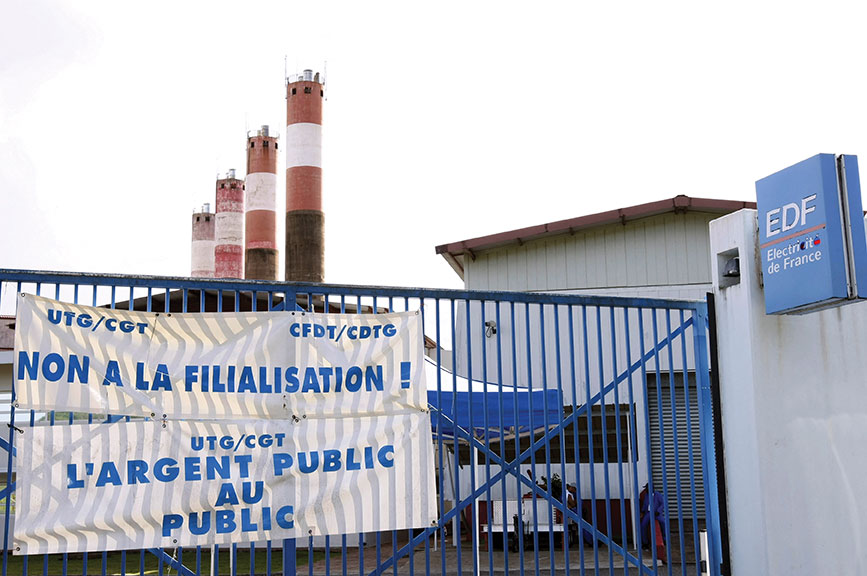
[203, 243]
[305, 221]
[260, 257]
[229, 229]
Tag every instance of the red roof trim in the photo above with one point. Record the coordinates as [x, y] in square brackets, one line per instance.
[677, 204]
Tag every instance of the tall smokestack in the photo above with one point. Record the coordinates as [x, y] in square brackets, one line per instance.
[203, 243]
[305, 221]
[260, 256]
[229, 229]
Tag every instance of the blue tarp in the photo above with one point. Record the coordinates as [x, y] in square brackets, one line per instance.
[513, 421]
[523, 410]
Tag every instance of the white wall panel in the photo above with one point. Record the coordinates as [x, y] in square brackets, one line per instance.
[794, 405]
[660, 250]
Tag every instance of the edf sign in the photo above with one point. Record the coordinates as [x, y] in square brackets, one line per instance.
[814, 255]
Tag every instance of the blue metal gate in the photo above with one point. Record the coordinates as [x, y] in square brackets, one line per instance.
[626, 402]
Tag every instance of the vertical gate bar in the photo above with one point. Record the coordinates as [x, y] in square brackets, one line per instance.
[457, 467]
[8, 497]
[378, 553]
[549, 483]
[652, 509]
[268, 557]
[633, 437]
[520, 529]
[309, 555]
[606, 478]
[619, 443]
[589, 416]
[141, 563]
[471, 450]
[573, 377]
[709, 426]
[65, 555]
[32, 423]
[533, 497]
[427, 539]
[289, 557]
[252, 557]
[648, 452]
[692, 493]
[439, 429]
[289, 545]
[378, 533]
[500, 407]
[562, 437]
[486, 427]
[361, 539]
[677, 486]
[343, 558]
[393, 532]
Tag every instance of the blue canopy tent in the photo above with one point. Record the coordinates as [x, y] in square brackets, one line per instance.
[460, 408]
[487, 409]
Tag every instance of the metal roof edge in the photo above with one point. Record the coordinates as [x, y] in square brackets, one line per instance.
[677, 204]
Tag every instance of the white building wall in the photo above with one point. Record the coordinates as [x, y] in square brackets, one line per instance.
[585, 366]
[665, 256]
[794, 415]
[668, 249]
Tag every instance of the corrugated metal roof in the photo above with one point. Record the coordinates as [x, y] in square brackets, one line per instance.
[454, 251]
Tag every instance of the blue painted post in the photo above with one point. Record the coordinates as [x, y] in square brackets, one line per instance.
[289, 557]
[702, 369]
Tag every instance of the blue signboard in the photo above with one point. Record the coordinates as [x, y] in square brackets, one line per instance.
[813, 254]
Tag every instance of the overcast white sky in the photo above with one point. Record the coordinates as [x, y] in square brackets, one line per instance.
[444, 121]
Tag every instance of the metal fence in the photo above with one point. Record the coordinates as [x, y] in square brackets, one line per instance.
[629, 380]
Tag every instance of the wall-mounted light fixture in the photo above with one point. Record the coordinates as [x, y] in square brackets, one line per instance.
[490, 328]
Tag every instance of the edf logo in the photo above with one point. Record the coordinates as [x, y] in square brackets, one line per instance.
[788, 216]
[811, 235]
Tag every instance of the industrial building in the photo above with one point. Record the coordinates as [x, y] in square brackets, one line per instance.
[658, 249]
[655, 250]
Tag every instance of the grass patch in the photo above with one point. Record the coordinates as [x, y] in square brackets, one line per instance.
[142, 562]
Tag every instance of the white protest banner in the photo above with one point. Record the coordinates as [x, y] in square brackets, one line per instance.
[147, 483]
[216, 365]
